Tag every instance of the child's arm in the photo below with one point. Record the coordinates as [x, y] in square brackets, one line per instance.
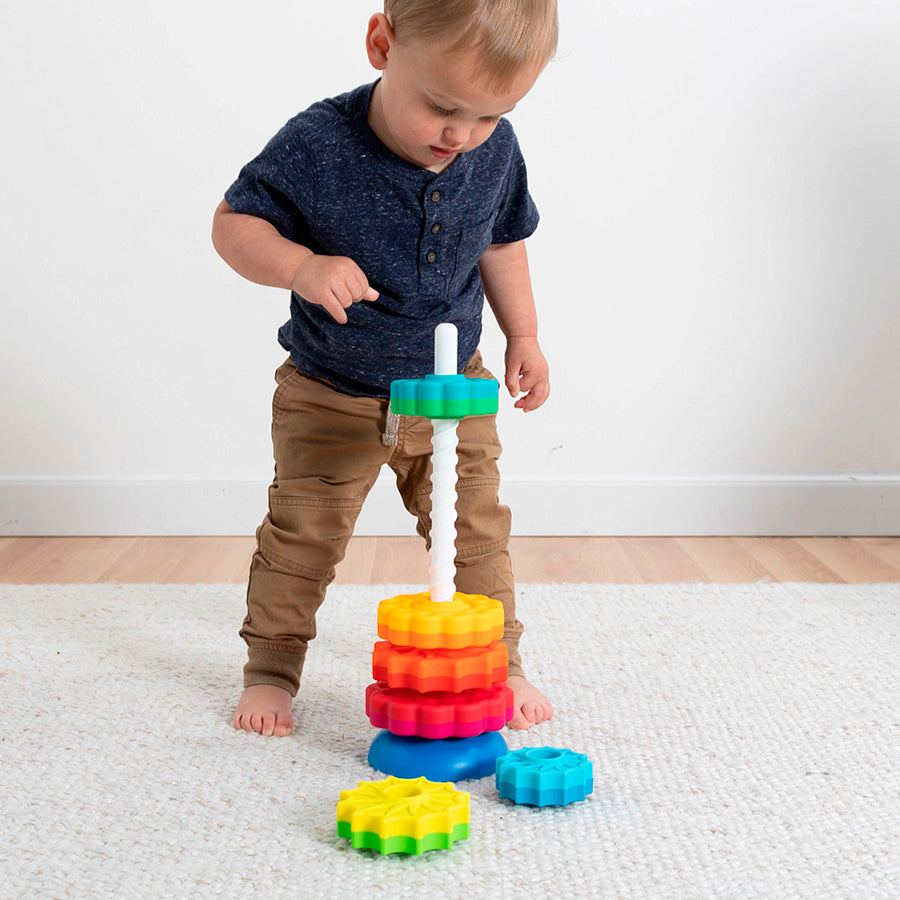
[254, 248]
[507, 286]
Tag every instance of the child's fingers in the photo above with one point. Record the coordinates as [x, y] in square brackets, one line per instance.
[527, 381]
[359, 288]
[344, 293]
[343, 296]
[520, 381]
[335, 309]
[535, 397]
[513, 379]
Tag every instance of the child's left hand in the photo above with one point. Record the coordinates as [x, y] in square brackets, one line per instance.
[527, 371]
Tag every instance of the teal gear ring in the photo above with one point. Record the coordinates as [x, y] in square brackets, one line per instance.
[445, 396]
[544, 776]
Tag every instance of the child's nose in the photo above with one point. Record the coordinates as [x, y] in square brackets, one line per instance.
[456, 135]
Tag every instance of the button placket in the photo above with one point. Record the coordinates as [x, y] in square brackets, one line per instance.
[431, 249]
[437, 237]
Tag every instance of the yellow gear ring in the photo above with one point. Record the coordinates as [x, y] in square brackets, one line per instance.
[413, 620]
[403, 815]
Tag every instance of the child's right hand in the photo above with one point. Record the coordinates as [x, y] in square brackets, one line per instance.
[333, 282]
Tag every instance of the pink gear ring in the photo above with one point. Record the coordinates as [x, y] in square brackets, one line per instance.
[440, 714]
[544, 776]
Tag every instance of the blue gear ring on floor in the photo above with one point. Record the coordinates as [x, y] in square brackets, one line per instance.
[443, 759]
[544, 776]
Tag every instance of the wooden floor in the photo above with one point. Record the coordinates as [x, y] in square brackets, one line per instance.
[393, 560]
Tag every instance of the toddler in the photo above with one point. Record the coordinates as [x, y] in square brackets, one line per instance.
[386, 211]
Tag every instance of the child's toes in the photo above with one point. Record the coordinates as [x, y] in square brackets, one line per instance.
[282, 727]
[267, 726]
[520, 720]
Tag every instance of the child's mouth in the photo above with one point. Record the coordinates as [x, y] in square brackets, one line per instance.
[441, 153]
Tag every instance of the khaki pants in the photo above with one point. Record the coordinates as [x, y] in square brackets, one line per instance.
[328, 452]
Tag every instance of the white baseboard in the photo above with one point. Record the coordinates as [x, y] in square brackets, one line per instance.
[738, 505]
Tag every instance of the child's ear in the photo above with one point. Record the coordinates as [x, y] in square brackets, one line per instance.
[379, 40]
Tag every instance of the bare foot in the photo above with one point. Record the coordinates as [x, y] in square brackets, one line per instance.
[530, 706]
[266, 709]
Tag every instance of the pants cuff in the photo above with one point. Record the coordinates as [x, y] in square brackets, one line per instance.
[281, 668]
[511, 639]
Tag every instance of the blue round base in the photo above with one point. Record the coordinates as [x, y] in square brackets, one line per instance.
[447, 759]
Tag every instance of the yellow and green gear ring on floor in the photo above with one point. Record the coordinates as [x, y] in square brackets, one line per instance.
[403, 815]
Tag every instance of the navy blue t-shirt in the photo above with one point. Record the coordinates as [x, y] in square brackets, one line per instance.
[327, 182]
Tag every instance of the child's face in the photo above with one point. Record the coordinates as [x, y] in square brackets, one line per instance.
[430, 104]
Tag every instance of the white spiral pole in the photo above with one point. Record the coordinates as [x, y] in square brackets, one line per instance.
[442, 571]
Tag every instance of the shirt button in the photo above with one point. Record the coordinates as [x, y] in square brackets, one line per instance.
[430, 256]
[435, 196]
[436, 228]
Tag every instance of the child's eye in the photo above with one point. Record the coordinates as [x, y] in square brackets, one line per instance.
[441, 111]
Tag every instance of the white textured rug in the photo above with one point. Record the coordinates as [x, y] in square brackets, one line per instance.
[745, 743]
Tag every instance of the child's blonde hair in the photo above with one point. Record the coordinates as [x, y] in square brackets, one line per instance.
[507, 35]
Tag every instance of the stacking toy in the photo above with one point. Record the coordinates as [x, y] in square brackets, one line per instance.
[444, 397]
[544, 776]
[441, 666]
[464, 620]
[439, 670]
[401, 815]
[448, 759]
[439, 714]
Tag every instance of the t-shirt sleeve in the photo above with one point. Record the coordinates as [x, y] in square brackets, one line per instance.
[279, 185]
[518, 216]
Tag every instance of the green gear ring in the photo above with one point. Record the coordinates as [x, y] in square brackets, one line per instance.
[445, 396]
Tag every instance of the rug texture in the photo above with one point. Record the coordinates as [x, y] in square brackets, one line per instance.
[745, 743]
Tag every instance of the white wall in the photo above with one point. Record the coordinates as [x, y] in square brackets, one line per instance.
[718, 266]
